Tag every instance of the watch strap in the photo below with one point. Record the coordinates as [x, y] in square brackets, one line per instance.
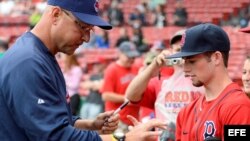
[115, 138]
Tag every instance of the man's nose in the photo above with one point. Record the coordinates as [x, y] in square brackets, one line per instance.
[86, 36]
[248, 76]
[186, 67]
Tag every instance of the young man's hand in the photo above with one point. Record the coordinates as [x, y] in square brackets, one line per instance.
[142, 131]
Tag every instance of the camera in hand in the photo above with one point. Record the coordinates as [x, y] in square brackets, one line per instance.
[173, 61]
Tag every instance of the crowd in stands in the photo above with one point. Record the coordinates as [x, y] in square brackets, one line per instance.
[120, 13]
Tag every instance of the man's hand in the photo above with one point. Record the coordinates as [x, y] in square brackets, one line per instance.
[142, 132]
[160, 59]
[106, 123]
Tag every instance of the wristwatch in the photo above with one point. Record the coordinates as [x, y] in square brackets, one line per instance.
[119, 136]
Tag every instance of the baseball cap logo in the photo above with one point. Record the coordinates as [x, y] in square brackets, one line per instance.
[183, 38]
[96, 5]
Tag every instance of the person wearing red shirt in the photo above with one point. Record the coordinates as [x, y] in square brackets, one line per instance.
[205, 49]
[116, 79]
[246, 76]
[246, 68]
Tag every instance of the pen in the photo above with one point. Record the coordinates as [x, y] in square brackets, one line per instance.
[118, 110]
[121, 107]
[159, 75]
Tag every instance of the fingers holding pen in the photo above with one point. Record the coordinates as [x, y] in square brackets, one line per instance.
[112, 120]
[109, 127]
[110, 123]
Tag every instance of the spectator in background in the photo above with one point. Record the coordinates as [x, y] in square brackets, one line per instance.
[123, 36]
[180, 14]
[158, 47]
[244, 16]
[21, 8]
[102, 40]
[115, 14]
[34, 17]
[152, 4]
[145, 112]
[137, 18]
[116, 79]
[246, 76]
[160, 17]
[246, 69]
[3, 47]
[138, 39]
[72, 73]
[235, 19]
[94, 104]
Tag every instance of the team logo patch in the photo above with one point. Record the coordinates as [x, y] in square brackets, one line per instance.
[209, 129]
[96, 5]
[183, 38]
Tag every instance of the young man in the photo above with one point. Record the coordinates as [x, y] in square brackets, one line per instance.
[34, 103]
[167, 95]
[205, 50]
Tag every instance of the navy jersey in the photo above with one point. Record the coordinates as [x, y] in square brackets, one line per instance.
[33, 105]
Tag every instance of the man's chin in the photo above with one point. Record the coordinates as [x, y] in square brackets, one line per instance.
[198, 84]
[69, 52]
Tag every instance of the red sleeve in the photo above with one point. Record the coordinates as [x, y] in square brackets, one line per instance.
[109, 80]
[149, 95]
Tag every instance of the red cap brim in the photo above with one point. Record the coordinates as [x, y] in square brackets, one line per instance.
[246, 30]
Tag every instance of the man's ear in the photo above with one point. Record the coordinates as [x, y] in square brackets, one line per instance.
[56, 14]
[217, 58]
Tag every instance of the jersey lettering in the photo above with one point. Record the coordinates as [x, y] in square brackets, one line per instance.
[127, 78]
[181, 96]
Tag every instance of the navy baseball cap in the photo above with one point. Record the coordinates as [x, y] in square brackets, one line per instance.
[84, 10]
[129, 49]
[203, 38]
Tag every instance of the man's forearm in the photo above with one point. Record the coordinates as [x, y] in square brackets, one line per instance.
[139, 83]
[113, 97]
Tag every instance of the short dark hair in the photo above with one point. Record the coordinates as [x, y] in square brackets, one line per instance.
[225, 55]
